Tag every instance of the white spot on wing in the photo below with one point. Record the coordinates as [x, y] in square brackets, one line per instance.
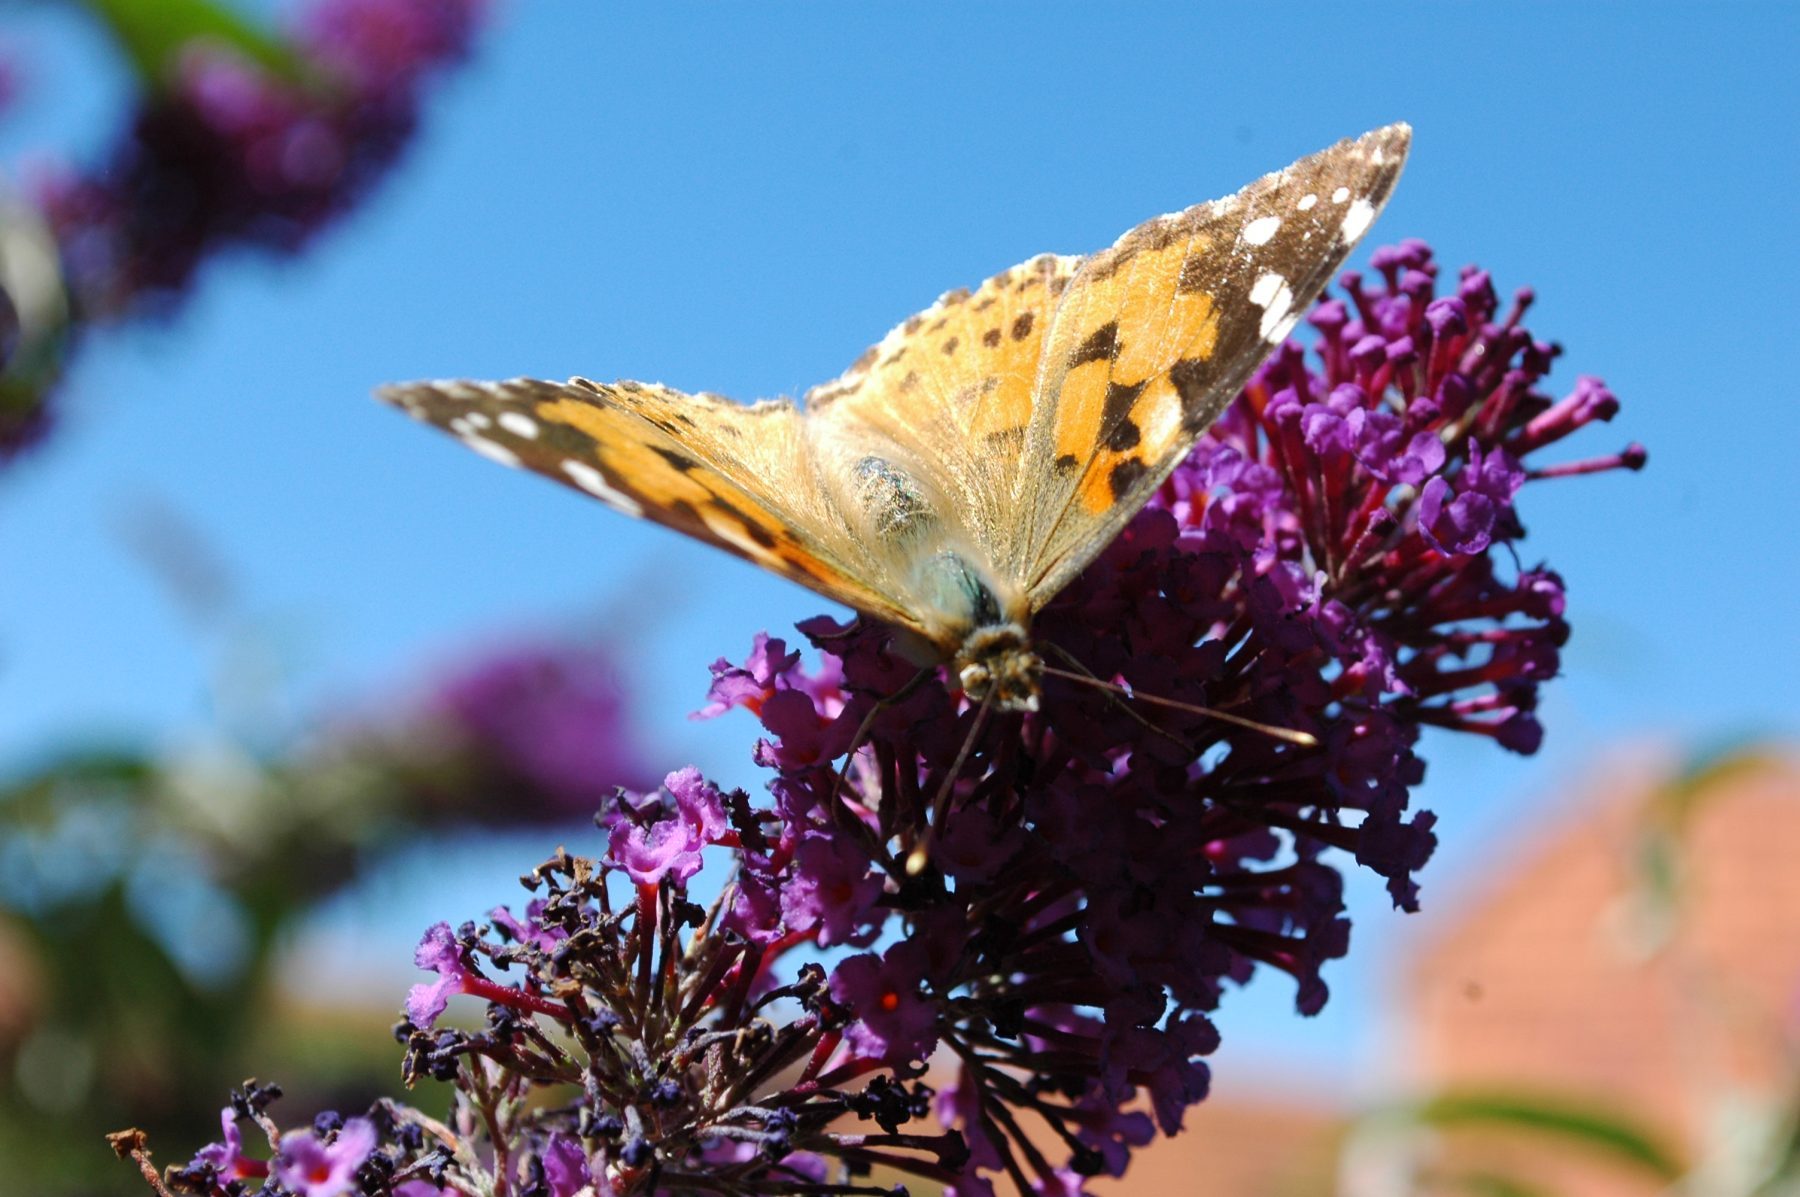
[1272, 294]
[1260, 230]
[1307, 201]
[728, 529]
[594, 483]
[490, 450]
[1357, 219]
[1340, 195]
[519, 424]
[479, 419]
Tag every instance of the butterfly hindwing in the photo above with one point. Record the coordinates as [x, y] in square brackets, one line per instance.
[738, 477]
[1156, 335]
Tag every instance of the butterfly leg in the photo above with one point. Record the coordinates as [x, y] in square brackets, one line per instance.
[1112, 693]
[920, 856]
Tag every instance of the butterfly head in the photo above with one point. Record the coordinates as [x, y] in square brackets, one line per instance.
[997, 663]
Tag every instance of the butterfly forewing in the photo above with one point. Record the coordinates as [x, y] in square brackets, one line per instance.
[1155, 336]
[740, 477]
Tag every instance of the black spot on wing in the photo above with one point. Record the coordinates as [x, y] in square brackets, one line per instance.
[1119, 433]
[1101, 346]
[1192, 379]
[1126, 475]
[1021, 328]
[680, 461]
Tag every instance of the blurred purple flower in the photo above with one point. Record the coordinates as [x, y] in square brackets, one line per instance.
[546, 728]
[229, 153]
[224, 149]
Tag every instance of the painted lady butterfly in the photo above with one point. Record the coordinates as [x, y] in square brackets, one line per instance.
[967, 467]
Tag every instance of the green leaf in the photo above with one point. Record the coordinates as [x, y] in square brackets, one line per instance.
[1661, 850]
[1493, 1184]
[152, 33]
[1577, 1123]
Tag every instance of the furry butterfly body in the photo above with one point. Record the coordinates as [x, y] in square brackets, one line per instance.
[970, 464]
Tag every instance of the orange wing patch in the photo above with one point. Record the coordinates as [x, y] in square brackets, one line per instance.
[1155, 335]
[1117, 411]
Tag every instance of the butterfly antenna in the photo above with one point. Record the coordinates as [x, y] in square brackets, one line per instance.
[1086, 677]
[1115, 701]
[920, 856]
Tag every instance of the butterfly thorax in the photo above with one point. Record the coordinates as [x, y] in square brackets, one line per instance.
[969, 609]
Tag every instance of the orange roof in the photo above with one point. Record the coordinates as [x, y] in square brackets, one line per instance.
[1575, 972]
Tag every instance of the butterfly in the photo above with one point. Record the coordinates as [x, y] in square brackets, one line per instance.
[977, 458]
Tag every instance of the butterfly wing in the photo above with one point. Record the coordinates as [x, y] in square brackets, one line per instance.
[743, 478]
[1018, 425]
[1154, 337]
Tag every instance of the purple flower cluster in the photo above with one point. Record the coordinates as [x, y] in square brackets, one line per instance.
[230, 153]
[331, 1158]
[1329, 572]
[227, 148]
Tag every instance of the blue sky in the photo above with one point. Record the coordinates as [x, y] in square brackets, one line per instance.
[741, 199]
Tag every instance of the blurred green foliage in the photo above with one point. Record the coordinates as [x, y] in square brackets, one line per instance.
[145, 903]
